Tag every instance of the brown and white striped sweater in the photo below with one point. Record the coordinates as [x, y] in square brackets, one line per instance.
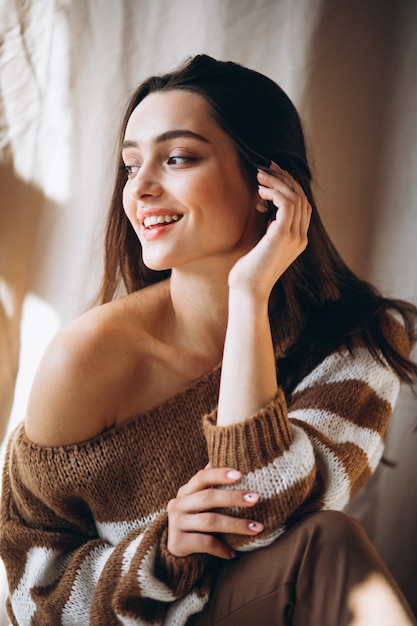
[83, 528]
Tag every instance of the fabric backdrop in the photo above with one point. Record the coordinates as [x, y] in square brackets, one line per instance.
[67, 68]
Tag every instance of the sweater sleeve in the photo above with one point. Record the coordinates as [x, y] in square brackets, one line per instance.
[66, 568]
[314, 451]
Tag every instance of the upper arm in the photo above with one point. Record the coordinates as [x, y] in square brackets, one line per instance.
[70, 399]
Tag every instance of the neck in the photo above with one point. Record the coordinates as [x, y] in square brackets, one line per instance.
[200, 308]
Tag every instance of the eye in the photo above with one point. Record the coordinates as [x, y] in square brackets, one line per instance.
[131, 170]
[178, 159]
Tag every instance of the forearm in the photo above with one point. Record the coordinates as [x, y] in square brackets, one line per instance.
[315, 452]
[248, 380]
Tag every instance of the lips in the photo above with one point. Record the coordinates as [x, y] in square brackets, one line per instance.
[156, 221]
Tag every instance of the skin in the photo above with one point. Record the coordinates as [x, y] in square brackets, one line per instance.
[197, 179]
[225, 259]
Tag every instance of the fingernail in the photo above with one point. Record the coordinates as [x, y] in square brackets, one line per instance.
[233, 475]
[255, 527]
[250, 497]
[232, 555]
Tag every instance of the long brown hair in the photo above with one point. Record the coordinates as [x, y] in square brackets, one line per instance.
[318, 292]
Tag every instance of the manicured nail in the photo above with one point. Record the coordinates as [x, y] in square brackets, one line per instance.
[250, 497]
[233, 475]
[255, 527]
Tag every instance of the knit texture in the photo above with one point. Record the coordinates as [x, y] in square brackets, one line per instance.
[84, 528]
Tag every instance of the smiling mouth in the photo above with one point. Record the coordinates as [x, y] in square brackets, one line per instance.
[158, 220]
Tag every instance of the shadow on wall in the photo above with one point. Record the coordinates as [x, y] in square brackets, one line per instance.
[349, 108]
[348, 98]
[21, 205]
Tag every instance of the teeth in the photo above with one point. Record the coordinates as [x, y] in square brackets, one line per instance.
[152, 220]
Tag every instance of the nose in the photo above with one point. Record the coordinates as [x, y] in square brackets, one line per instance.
[146, 182]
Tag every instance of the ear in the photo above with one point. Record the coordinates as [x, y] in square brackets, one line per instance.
[262, 205]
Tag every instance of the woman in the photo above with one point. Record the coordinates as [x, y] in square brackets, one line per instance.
[149, 485]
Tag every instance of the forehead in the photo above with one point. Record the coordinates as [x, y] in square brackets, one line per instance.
[167, 110]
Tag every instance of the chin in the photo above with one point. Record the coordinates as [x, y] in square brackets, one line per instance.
[156, 266]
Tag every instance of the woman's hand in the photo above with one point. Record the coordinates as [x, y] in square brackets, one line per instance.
[248, 380]
[285, 238]
[194, 520]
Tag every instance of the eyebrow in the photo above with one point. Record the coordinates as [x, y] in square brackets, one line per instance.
[169, 134]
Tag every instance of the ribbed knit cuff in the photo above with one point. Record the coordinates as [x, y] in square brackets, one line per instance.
[251, 444]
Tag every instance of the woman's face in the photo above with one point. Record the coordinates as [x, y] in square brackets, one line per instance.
[186, 195]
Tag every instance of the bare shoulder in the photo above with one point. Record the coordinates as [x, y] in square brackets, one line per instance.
[82, 379]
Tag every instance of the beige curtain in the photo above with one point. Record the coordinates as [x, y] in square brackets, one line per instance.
[66, 69]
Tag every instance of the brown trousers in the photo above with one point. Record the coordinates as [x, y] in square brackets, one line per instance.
[322, 572]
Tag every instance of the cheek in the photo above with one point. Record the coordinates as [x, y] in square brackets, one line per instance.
[236, 195]
[128, 205]
[218, 190]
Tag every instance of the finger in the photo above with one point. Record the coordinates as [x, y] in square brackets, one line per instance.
[274, 182]
[279, 194]
[286, 177]
[306, 218]
[212, 522]
[301, 219]
[277, 191]
[192, 543]
[208, 477]
[285, 207]
[210, 499]
[280, 180]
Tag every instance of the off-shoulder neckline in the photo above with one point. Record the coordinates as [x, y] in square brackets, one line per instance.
[200, 384]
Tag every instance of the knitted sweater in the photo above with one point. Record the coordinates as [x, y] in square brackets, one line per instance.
[84, 527]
